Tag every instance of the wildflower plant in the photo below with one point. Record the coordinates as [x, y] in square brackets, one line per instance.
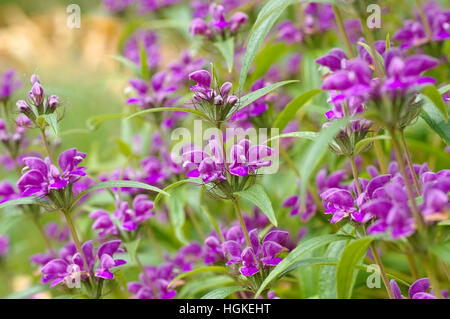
[274, 155]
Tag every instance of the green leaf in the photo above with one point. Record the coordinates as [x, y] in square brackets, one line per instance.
[19, 201]
[308, 262]
[94, 122]
[162, 109]
[434, 96]
[222, 292]
[305, 134]
[226, 48]
[258, 196]
[175, 185]
[177, 216]
[128, 63]
[327, 274]
[253, 96]
[123, 147]
[302, 249]
[361, 144]
[197, 271]
[267, 17]
[27, 292]
[346, 271]
[194, 287]
[132, 248]
[442, 251]
[291, 109]
[444, 223]
[52, 121]
[145, 71]
[110, 184]
[377, 54]
[433, 117]
[315, 151]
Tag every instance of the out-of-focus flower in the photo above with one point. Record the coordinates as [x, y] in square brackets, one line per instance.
[258, 255]
[420, 289]
[57, 233]
[4, 245]
[8, 84]
[103, 221]
[294, 202]
[149, 42]
[154, 283]
[288, 32]
[117, 5]
[131, 218]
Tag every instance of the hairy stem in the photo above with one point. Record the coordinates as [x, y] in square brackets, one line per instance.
[409, 161]
[241, 220]
[355, 174]
[401, 165]
[382, 271]
[47, 148]
[341, 27]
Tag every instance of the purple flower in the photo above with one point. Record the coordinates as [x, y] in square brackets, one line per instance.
[41, 176]
[259, 254]
[180, 70]
[8, 84]
[7, 192]
[294, 202]
[318, 18]
[117, 5]
[103, 221]
[4, 245]
[149, 41]
[247, 159]
[420, 289]
[154, 283]
[340, 203]
[57, 233]
[155, 94]
[354, 29]
[187, 256]
[66, 270]
[288, 32]
[132, 217]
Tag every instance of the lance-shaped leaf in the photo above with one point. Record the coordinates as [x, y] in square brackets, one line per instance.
[222, 292]
[258, 196]
[226, 48]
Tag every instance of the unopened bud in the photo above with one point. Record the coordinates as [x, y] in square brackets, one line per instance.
[218, 100]
[53, 102]
[232, 100]
[22, 106]
[37, 94]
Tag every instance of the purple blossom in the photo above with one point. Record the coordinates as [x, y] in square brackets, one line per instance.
[247, 159]
[57, 233]
[259, 254]
[420, 289]
[187, 256]
[294, 202]
[66, 270]
[318, 18]
[131, 218]
[7, 192]
[8, 84]
[154, 283]
[117, 5]
[157, 93]
[149, 41]
[4, 245]
[288, 32]
[104, 223]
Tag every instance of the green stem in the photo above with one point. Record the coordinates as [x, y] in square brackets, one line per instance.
[431, 275]
[382, 271]
[99, 289]
[42, 233]
[424, 21]
[412, 265]
[47, 148]
[152, 238]
[409, 161]
[355, 174]
[195, 222]
[343, 32]
[401, 165]
[241, 220]
[380, 156]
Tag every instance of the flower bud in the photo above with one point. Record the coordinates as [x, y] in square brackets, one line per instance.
[218, 100]
[53, 102]
[225, 89]
[37, 94]
[22, 106]
[237, 20]
[232, 100]
[35, 78]
[198, 26]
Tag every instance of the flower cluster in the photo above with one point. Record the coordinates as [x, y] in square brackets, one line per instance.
[148, 41]
[8, 84]
[257, 257]
[82, 265]
[41, 176]
[420, 289]
[218, 27]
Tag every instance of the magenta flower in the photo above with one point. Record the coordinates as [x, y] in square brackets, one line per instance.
[66, 270]
[56, 232]
[187, 256]
[259, 254]
[420, 289]
[41, 176]
[247, 159]
[154, 283]
[8, 84]
[7, 192]
[4, 245]
[294, 202]
[149, 41]
[155, 94]
[131, 218]
[288, 32]
[103, 221]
